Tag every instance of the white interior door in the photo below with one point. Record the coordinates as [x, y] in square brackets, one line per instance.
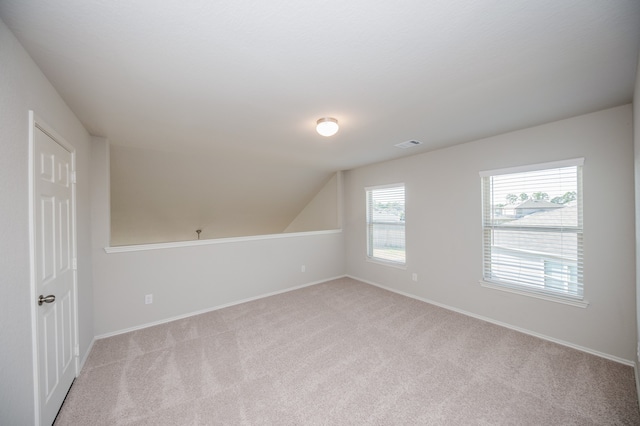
[54, 271]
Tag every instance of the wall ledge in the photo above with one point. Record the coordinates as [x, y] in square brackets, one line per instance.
[178, 244]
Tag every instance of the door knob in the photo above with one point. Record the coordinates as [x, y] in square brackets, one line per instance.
[46, 299]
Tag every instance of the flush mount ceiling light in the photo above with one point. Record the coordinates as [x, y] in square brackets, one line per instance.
[327, 126]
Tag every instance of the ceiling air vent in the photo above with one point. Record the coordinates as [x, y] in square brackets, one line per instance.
[408, 144]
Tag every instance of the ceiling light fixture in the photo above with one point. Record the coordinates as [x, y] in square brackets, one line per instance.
[327, 126]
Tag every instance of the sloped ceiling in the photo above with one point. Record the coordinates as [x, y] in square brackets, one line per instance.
[243, 82]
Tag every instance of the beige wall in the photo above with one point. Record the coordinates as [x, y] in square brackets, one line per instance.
[163, 196]
[444, 238]
[23, 87]
[321, 212]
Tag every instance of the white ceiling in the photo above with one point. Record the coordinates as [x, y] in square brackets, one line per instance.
[254, 75]
[247, 79]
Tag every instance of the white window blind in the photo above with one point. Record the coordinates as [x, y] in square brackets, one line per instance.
[386, 223]
[532, 225]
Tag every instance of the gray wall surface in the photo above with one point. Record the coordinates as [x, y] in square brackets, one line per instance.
[23, 87]
[444, 236]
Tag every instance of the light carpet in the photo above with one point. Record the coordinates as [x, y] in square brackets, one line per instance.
[340, 353]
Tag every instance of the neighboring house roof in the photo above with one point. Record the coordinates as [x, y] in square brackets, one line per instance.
[536, 204]
[559, 214]
[546, 242]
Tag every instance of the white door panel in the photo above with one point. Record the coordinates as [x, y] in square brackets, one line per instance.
[54, 249]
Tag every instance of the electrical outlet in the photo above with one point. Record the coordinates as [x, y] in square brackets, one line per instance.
[303, 268]
[414, 277]
[148, 299]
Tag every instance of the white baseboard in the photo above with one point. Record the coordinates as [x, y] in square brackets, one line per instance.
[214, 308]
[503, 324]
[413, 296]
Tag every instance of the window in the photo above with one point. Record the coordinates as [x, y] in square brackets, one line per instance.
[532, 225]
[385, 223]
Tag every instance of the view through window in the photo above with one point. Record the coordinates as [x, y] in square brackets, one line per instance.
[532, 225]
[386, 223]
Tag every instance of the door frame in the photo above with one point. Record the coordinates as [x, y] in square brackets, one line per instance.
[36, 123]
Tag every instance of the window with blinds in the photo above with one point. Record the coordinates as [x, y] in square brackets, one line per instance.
[532, 225]
[386, 224]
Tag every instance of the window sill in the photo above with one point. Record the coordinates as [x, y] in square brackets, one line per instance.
[537, 295]
[387, 263]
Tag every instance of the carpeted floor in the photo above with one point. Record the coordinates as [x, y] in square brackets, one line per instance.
[344, 352]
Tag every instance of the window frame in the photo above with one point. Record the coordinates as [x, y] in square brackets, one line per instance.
[488, 228]
[369, 224]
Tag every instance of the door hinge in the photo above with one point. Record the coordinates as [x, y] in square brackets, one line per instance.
[74, 264]
[73, 177]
